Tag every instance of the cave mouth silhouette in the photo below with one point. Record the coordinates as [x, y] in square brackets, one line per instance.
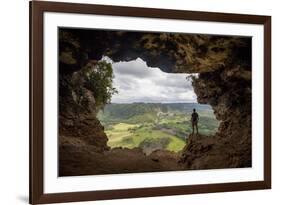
[152, 108]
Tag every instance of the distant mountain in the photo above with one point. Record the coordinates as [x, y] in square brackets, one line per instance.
[126, 111]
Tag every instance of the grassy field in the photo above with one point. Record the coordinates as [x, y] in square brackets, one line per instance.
[150, 129]
[130, 136]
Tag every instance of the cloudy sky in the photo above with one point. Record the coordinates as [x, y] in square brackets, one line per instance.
[136, 82]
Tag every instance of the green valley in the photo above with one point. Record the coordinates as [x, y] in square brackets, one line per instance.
[152, 126]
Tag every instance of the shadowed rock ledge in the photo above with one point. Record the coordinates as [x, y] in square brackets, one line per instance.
[224, 82]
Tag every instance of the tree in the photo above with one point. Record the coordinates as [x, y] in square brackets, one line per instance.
[100, 83]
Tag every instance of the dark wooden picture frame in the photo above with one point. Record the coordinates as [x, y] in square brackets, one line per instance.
[37, 9]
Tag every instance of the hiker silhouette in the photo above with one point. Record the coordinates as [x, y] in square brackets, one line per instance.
[194, 121]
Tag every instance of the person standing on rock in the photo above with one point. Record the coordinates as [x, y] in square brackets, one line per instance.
[194, 121]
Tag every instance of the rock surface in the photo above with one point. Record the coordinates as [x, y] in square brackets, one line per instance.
[77, 110]
[224, 82]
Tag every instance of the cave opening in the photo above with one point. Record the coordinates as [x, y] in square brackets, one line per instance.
[151, 109]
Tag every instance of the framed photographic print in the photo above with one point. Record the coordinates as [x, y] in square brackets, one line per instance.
[138, 102]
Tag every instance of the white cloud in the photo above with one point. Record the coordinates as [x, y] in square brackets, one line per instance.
[136, 82]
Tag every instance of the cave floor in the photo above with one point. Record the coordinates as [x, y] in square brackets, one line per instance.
[77, 159]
